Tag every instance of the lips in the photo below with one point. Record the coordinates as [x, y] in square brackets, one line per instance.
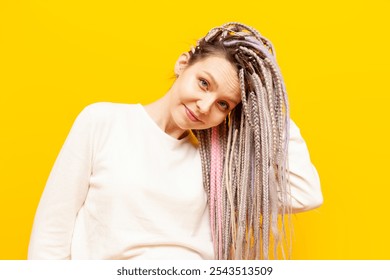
[191, 115]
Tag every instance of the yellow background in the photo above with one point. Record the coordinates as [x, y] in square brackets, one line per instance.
[56, 57]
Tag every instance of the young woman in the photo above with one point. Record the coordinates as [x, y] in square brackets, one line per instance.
[209, 171]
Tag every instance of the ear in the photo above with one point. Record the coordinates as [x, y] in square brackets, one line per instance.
[181, 63]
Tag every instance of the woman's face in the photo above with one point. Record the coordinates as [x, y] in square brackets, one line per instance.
[204, 92]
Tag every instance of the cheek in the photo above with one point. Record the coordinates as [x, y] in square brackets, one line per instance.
[188, 85]
[217, 118]
[180, 93]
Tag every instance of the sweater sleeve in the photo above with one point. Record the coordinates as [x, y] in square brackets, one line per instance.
[64, 193]
[304, 180]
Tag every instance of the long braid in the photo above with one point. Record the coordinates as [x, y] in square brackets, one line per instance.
[257, 168]
[264, 129]
[220, 190]
[244, 160]
[213, 185]
[228, 198]
[240, 189]
[275, 131]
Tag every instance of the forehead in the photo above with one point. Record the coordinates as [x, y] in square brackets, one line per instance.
[221, 71]
[215, 62]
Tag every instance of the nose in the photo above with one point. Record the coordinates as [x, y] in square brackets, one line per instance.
[205, 103]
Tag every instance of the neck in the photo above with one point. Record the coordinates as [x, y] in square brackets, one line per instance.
[160, 112]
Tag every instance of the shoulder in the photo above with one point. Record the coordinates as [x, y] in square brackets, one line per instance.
[108, 108]
[102, 115]
[106, 111]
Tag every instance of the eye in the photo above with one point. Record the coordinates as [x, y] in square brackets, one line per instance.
[203, 84]
[224, 105]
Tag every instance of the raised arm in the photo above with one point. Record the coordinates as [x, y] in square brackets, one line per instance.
[305, 184]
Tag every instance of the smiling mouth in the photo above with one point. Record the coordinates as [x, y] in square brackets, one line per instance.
[191, 115]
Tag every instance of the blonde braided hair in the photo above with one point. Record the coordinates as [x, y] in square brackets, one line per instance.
[244, 159]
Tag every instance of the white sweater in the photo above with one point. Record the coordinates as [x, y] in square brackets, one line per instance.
[121, 188]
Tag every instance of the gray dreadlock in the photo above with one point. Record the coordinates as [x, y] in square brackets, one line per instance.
[244, 159]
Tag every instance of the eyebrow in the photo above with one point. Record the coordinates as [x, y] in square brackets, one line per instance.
[216, 85]
[211, 78]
